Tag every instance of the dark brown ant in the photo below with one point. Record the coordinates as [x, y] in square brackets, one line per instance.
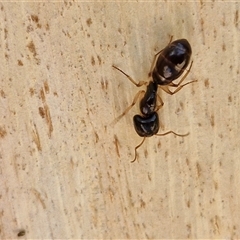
[21, 233]
[171, 63]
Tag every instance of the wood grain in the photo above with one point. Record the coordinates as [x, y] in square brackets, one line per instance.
[65, 172]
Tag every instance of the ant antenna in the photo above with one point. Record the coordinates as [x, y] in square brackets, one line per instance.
[158, 134]
[138, 146]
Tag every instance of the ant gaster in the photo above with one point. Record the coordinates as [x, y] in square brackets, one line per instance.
[167, 66]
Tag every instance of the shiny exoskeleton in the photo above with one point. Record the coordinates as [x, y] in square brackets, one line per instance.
[168, 65]
[172, 62]
[147, 124]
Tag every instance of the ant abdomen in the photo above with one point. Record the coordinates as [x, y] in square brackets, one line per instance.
[146, 126]
[172, 62]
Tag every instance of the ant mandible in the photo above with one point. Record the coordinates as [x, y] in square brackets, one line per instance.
[168, 65]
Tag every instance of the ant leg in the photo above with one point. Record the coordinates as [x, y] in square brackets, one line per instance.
[171, 37]
[180, 135]
[155, 58]
[131, 79]
[167, 90]
[161, 103]
[178, 86]
[183, 77]
[153, 62]
[139, 94]
[138, 146]
[160, 134]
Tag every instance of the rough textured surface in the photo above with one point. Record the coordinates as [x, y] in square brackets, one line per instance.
[65, 172]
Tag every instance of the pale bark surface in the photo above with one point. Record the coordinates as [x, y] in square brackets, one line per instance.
[65, 172]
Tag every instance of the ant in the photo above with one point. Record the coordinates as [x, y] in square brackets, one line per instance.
[168, 65]
[21, 233]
